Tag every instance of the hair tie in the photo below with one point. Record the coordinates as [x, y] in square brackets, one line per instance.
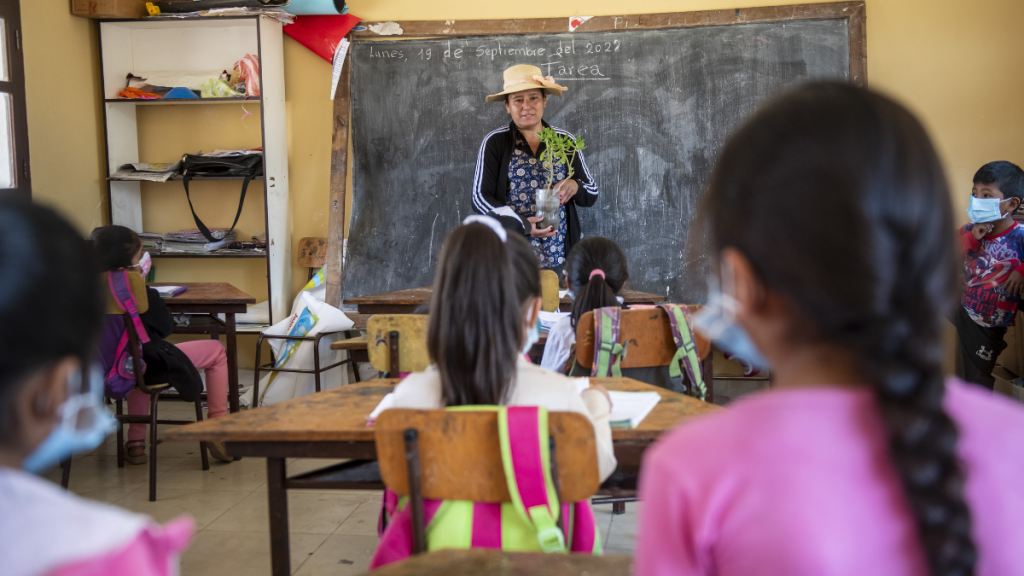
[597, 272]
[491, 223]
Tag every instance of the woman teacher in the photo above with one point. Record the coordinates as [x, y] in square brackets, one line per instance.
[509, 170]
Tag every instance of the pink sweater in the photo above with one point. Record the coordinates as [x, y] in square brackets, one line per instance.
[799, 483]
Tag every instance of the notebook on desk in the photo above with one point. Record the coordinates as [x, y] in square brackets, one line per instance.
[169, 291]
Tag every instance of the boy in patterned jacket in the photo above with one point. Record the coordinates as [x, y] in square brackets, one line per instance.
[993, 246]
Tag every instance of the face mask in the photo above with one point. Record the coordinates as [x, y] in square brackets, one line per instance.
[532, 337]
[145, 263]
[982, 210]
[84, 423]
[717, 322]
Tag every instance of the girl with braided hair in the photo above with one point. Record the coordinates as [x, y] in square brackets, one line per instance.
[831, 226]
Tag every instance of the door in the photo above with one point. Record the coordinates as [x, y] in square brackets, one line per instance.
[15, 170]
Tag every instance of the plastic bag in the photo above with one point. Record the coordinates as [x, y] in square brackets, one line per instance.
[217, 88]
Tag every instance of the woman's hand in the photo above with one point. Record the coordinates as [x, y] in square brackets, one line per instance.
[566, 190]
[537, 233]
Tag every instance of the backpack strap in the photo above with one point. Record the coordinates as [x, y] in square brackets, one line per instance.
[121, 289]
[608, 353]
[686, 351]
[528, 471]
[570, 362]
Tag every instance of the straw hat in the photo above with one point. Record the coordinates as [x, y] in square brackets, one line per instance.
[525, 77]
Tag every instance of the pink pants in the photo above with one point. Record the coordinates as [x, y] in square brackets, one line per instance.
[206, 355]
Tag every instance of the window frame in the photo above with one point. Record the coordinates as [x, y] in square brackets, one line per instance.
[10, 11]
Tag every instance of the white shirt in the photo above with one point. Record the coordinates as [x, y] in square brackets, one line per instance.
[534, 386]
[43, 527]
[561, 337]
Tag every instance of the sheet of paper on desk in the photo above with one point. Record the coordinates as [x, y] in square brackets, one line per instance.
[388, 401]
[549, 319]
[581, 384]
[630, 408]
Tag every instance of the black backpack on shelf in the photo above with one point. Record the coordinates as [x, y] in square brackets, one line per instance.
[179, 6]
[248, 167]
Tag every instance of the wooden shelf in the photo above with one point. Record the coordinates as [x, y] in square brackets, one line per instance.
[173, 101]
[214, 254]
[179, 178]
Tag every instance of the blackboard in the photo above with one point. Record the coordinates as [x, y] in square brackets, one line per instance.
[655, 107]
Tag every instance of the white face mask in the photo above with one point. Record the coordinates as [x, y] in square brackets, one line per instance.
[717, 321]
[532, 337]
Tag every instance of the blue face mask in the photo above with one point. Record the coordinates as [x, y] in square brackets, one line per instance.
[717, 322]
[532, 337]
[982, 210]
[84, 423]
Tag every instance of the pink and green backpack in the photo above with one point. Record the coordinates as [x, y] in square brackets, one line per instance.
[529, 523]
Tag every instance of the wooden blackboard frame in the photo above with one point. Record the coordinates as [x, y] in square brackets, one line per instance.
[853, 12]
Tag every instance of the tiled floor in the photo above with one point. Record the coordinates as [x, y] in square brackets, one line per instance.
[333, 532]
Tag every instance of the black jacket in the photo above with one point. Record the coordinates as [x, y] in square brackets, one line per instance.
[490, 181]
[165, 362]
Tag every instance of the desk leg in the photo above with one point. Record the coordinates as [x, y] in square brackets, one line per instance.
[277, 495]
[232, 346]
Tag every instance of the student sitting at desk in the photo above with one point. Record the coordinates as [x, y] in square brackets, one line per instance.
[119, 248]
[50, 409]
[477, 334]
[830, 221]
[595, 272]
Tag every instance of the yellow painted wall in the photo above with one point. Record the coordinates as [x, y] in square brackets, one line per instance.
[957, 64]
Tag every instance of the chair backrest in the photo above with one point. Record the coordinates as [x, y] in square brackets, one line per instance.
[649, 337]
[412, 341]
[549, 290]
[312, 252]
[460, 454]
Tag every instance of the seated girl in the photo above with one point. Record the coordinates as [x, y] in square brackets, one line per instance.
[595, 272]
[119, 248]
[479, 329]
[49, 411]
[830, 221]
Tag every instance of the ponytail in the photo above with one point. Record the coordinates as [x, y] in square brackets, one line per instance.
[597, 270]
[836, 196]
[475, 328]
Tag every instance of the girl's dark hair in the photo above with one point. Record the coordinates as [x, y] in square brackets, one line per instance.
[114, 247]
[475, 327]
[595, 254]
[837, 198]
[51, 301]
[527, 271]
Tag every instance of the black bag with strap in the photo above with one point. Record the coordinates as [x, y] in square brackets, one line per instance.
[248, 167]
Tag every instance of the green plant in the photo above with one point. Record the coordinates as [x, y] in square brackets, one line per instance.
[559, 149]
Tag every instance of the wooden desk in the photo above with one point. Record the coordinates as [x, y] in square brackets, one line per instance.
[213, 298]
[498, 563]
[332, 424]
[407, 301]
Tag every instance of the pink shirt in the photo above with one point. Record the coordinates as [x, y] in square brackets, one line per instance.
[799, 483]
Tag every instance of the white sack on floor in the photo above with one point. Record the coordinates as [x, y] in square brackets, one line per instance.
[310, 316]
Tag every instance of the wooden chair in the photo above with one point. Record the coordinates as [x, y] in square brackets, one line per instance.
[650, 344]
[549, 290]
[312, 254]
[444, 455]
[649, 336]
[397, 343]
[152, 419]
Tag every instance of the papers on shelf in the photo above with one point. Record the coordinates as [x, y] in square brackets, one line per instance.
[148, 172]
[630, 408]
[227, 153]
[388, 401]
[549, 319]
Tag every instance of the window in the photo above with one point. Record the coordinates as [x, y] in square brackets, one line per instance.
[14, 163]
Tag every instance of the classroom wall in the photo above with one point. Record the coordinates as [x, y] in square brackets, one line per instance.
[956, 64]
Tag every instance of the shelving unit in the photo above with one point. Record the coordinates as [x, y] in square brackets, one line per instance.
[196, 45]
